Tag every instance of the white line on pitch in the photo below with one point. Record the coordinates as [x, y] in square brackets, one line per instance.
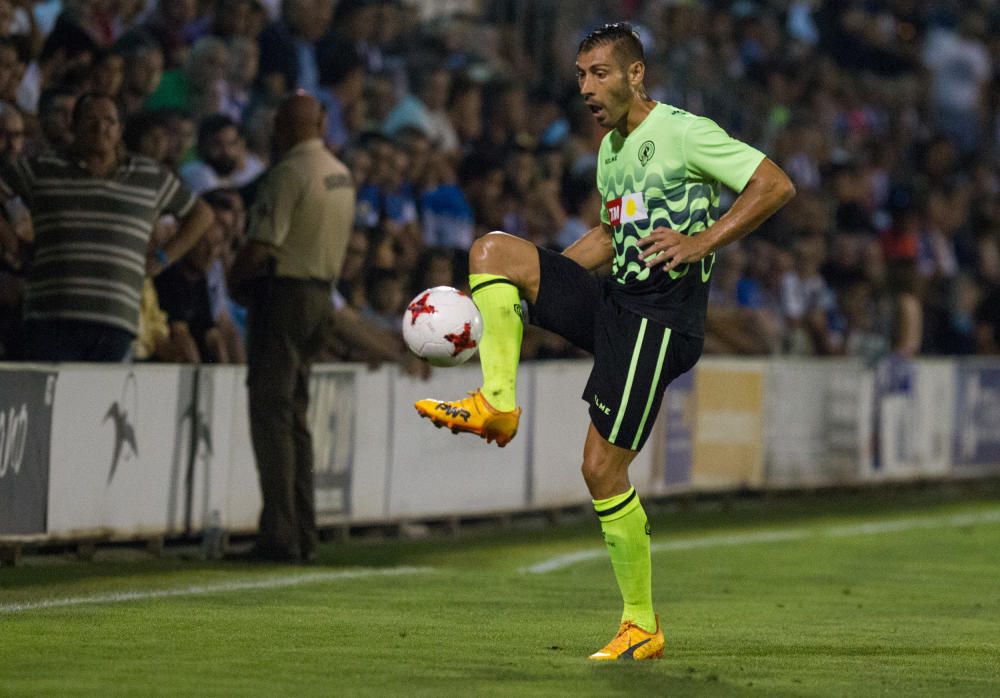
[786, 534]
[218, 588]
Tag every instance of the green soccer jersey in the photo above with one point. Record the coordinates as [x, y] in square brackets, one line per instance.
[667, 172]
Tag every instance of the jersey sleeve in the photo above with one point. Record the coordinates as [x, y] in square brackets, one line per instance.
[176, 198]
[711, 153]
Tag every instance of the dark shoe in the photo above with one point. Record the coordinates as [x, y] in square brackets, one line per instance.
[265, 555]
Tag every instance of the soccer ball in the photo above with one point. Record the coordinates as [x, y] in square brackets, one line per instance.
[442, 326]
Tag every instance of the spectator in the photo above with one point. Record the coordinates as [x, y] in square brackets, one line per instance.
[424, 109]
[72, 312]
[11, 133]
[146, 133]
[55, 118]
[583, 207]
[107, 73]
[233, 19]
[300, 224]
[465, 109]
[342, 79]
[170, 25]
[807, 302]
[445, 214]
[731, 327]
[287, 47]
[157, 338]
[12, 68]
[183, 137]
[223, 157]
[143, 70]
[244, 60]
[64, 60]
[436, 268]
[228, 315]
[183, 294]
[961, 68]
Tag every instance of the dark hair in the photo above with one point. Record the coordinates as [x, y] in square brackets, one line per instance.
[337, 62]
[21, 45]
[50, 94]
[138, 125]
[88, 98]
[213, 124]
[69, 37]
[623, 38]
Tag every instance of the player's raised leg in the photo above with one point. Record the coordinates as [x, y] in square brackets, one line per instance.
[503, 269]
[626, 534]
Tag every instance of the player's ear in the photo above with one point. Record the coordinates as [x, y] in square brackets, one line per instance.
[636, 72]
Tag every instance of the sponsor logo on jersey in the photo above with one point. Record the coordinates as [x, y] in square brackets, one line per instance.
[627, 209]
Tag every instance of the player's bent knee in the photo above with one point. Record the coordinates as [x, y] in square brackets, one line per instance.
[497, 253]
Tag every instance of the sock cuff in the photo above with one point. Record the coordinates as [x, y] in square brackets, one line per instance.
[618, 506]
[477, 282]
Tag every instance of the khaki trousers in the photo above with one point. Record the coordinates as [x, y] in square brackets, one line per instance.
[287, 324]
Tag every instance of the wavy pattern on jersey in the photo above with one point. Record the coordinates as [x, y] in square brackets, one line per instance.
[688, 208]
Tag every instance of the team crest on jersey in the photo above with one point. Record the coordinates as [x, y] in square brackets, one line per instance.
[646, 151]
[627, 209]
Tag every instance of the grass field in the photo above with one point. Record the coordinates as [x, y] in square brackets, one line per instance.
[854, 597]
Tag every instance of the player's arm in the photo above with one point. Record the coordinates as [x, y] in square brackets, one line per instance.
[593, 250]
[767, 191]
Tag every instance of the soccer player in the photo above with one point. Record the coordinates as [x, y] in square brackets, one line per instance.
[659, 173]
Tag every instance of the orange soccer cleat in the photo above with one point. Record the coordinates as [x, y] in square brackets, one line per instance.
[632, 642]
[473, 415]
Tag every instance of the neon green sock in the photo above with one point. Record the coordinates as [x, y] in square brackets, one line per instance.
[499, 302]
[626, 533]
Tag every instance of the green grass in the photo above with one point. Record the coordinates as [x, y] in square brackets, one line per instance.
[913, 612]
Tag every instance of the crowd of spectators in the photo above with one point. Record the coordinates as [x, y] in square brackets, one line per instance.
[886, 115]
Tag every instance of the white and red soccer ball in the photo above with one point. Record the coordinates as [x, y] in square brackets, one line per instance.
[442, 326]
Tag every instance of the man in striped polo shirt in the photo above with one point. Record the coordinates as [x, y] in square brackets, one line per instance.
[94, 207]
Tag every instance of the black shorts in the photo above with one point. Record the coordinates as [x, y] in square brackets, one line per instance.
[635, 358]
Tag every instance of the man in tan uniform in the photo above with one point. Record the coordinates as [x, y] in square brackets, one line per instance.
[300, 224]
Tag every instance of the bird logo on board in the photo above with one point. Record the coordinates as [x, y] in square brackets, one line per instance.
[124, 428]
[646, 151]
[202, 430]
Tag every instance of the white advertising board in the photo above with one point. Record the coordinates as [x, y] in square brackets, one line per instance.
[434, 472]
[118, 451]
[818, 421]
[371, 442]
[559, 422]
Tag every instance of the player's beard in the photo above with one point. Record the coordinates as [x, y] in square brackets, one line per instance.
[619, 99]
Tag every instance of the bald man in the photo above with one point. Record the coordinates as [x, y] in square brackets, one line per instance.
[299, 227]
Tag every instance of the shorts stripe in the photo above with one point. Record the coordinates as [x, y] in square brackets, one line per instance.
[652, 387]
[623, 403]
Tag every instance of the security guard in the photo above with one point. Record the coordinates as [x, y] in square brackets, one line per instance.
[300, 224]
